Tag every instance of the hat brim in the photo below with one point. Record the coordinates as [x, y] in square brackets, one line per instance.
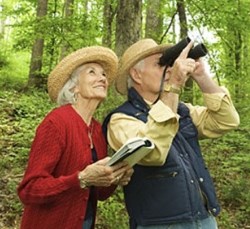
[94, 54]
[127, 63]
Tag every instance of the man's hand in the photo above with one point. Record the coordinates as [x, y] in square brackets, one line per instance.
[182, 68]
[201, 70]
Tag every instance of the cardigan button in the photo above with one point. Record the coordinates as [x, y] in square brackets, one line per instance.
[201, 179]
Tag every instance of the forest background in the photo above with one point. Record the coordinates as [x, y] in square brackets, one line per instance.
[36, 34]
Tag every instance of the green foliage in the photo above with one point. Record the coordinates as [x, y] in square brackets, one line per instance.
[14, 74]
[20, 114]
[228, 157]
[112, 213]
[228, 160]
[4, 59]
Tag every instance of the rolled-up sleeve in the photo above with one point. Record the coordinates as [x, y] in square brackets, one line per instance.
[161, 127]
[217, 117]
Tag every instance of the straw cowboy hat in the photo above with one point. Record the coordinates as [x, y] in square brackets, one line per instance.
[63, 70]
[136, 52]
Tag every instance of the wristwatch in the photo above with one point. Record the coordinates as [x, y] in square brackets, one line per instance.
[83, 183]
[172, 88]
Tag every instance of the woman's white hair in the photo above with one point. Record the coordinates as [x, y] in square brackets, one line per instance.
[66, 94]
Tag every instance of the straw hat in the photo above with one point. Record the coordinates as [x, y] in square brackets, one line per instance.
[136, 52]
[63, 70]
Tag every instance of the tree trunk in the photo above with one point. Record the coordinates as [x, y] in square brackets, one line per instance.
[35, 76]
[154, 20]
[108, 18]
[184, 33]
[2, 22]
[128, 24]
[238, 62]
[182, 18]
[68, 12]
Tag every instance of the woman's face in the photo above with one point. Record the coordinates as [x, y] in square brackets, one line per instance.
[92, 82]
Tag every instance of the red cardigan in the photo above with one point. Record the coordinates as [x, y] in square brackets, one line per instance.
[50, 188]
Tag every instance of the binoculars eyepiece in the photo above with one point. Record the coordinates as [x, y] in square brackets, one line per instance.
[171, 54]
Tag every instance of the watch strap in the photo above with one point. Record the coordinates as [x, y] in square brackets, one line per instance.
[172, 88]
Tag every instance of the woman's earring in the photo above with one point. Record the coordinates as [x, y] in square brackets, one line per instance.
[75, 96]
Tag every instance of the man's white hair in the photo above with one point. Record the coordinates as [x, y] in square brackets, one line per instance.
[139, 66]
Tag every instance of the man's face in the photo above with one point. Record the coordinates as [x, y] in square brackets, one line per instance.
[151, 74]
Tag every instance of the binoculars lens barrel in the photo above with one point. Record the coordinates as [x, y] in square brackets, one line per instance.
[198, 51]
[171, 54]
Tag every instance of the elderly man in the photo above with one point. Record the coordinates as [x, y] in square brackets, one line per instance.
[171, 187]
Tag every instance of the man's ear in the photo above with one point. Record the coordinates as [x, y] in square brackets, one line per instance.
[135, 75]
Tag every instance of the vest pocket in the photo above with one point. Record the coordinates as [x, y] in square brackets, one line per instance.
[165, 195]
[163, 175]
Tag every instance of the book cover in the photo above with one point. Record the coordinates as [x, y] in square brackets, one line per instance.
[132, 151]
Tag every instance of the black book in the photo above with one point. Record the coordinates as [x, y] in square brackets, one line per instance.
[133, 151]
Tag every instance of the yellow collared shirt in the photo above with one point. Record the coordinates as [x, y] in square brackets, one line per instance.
[212, 121]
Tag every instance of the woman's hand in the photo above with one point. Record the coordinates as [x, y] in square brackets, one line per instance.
[125, 175]
[100, 174]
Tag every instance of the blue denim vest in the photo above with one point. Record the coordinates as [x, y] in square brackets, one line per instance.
[178, 191]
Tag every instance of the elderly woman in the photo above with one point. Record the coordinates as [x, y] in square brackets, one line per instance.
[67, 171]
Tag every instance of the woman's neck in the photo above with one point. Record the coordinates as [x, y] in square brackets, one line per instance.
[85, 110]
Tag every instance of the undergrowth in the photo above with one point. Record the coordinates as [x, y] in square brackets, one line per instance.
[228, 159]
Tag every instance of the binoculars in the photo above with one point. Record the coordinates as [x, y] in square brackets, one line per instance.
[171, 54]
